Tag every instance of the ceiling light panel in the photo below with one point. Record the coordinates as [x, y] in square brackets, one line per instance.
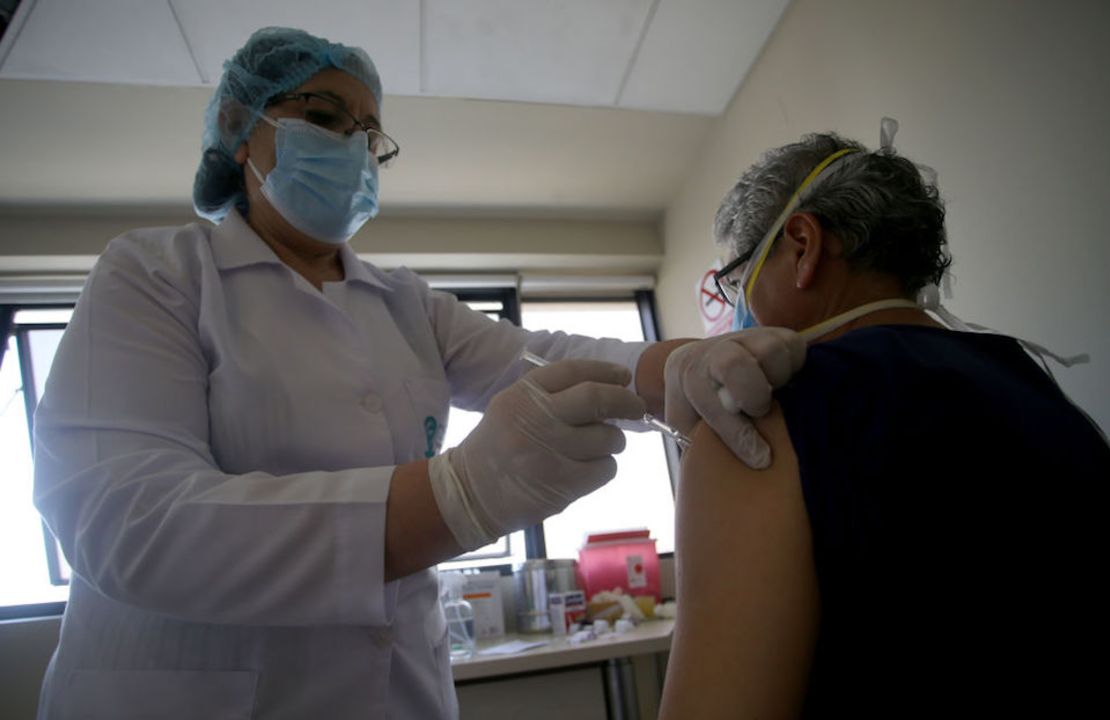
[388, 30]
[124, 41]
[573, 51]
[696, 53]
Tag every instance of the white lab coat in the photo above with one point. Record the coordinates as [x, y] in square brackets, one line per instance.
[214, 449]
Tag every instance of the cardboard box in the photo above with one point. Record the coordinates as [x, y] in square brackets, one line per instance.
[483, 592]
[566, 608]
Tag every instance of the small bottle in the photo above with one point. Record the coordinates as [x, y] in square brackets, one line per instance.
[460, 616]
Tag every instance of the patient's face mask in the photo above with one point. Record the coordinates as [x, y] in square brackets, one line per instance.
[325, 184]
[742, 317]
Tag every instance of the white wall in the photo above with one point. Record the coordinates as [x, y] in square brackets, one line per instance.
[78, 142]
[1007, 99]
[41, 239]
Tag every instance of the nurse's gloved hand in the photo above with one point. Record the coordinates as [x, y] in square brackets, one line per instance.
[542, 444]
[728, 380]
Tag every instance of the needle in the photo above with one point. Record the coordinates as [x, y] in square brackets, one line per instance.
[648, 419]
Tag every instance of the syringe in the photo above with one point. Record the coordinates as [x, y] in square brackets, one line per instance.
[648, 419]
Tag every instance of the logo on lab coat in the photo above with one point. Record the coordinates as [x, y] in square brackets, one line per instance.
[433, 432]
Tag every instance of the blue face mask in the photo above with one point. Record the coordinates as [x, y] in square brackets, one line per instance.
[742, 317]
[324, 184]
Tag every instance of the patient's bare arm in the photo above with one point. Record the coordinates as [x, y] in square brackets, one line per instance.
[747, 590]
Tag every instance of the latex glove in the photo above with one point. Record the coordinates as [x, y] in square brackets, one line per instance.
[541, 444]
[747, 365]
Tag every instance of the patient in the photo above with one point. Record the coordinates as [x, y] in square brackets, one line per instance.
[927, 540]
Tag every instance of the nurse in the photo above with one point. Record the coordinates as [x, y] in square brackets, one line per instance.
[238, 444]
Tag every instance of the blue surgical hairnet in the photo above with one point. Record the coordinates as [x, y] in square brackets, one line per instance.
[274, 60]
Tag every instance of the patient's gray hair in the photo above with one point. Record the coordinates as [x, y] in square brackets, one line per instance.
[889, 218]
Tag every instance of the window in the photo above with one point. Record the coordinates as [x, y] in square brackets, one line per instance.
[33, 571]
[640, 495]
[500, 303]
[34, 575]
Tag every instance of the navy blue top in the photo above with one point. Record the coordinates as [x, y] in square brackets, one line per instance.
[953, 494]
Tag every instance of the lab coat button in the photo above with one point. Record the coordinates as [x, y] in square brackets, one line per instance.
[372, 402]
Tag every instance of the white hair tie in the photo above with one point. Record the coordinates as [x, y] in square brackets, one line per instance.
[888, 128]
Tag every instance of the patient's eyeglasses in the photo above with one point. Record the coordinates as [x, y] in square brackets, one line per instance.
[731, 287]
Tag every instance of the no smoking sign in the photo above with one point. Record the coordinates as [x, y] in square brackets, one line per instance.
[712, 306]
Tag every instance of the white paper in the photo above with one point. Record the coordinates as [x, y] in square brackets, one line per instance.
[512, 647]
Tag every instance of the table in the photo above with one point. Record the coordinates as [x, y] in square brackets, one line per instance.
[613, 650]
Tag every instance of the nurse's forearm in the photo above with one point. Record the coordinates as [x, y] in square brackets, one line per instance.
[649, 373]
[415, 535]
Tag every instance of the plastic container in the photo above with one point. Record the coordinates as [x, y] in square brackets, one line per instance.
[625, 560]
[535, 580]
[459, 614]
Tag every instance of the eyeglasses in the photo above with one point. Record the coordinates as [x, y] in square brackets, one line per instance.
[330, 114]
[730, 288]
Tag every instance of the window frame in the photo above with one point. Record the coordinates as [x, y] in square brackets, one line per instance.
[30, 403]
[645, 305]
[649, 321]
[20, 332]
[510, 298]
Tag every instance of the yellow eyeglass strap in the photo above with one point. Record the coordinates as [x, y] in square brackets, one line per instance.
[791, 204]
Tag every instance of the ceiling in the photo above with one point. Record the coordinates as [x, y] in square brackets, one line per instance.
[590, 105]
